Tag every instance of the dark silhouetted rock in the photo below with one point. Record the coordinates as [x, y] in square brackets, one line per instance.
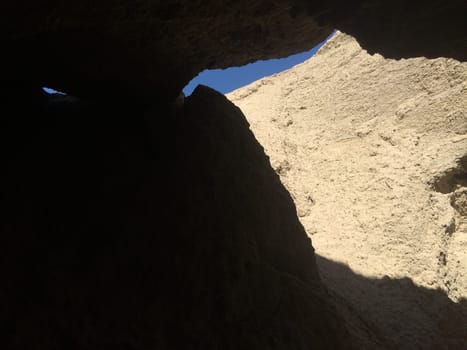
[145, 49]
[254, 275]
[125, 233]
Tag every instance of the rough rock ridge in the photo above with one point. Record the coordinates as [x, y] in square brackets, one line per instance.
[373, 152]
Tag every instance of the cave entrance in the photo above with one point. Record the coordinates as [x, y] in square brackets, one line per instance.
[51, 91]
[230, 79]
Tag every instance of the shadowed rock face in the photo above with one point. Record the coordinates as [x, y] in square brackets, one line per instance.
[125, 233]
[261, 289]
[143, 49]
[398, 28]
[401, 29]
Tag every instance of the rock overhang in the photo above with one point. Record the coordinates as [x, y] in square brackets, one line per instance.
[136, 51]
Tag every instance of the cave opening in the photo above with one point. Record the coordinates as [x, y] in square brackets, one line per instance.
[232, 78]
[51, 91]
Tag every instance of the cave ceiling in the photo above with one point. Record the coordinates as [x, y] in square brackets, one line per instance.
[141, 50]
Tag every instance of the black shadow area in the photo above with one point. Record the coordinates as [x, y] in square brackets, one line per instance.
[405, 315]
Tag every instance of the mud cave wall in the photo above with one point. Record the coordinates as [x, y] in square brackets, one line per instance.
[131, 222]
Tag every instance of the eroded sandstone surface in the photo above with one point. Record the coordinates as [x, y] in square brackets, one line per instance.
[373, 152]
